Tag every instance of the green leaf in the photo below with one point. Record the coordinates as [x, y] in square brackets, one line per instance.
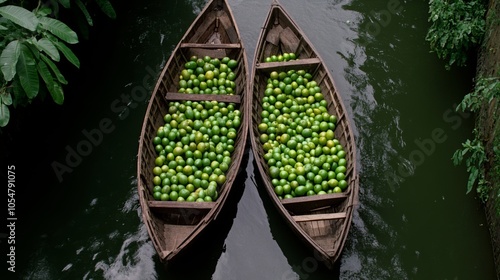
[28, 75]
[70, 56]
[58, 94]
[66, 3]
[20, 16]
[34, 50]
[20, 97]
[6, 98]
[46, 46]
[53, 86]
[85, 12]
[2, 1]
[45, 73]
[54, 69]
[457, 157]
[43, 11]
[4, 115]
[59, 29]
[8, 59]
[107, 8]
[472, 179]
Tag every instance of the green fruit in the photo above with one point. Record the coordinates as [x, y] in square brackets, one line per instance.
[174, 195]
[300, 191]
[279, 190]
[232, 63]
[157, 195]
[343, 185]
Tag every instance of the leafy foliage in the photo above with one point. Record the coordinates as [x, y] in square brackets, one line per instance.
[496, 171]
[20, 16]
[457, 26]
[31, 43]
[476, 158]
[486, 90]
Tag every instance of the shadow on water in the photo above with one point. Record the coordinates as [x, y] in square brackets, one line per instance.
[250, 250]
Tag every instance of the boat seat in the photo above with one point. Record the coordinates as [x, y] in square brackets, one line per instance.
[320, 217]
[306, 204]
[203, 97]
[211, 46]
[303, 63]
[180, 214]
[181, 206]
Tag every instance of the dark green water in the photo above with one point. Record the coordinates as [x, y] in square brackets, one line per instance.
[414, 220]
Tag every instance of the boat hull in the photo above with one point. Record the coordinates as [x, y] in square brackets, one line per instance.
[173, 225]
[321, 221]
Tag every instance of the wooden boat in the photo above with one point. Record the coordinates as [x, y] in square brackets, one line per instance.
[172, 225]
[321, 221]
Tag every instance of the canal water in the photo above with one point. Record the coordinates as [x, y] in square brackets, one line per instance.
[76, 163]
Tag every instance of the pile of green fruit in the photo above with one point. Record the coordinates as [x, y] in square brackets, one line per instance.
[194, 149]
[208, 76]
[297, 134]
[281, 57]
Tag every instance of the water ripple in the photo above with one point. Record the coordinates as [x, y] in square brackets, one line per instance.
[40, 268]
[132, 203]
[135, 260]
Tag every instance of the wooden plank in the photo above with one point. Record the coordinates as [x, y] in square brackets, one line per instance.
[228, 26]
[304, 63]
[215, 38]
[180, 205]
[273, 36]
[309, 203]
[269, 49]
[329, 243]
[327, 198]
[289, 41]
[203, 97]
[319, 217]
[175, 234]
[211, 46]
[201, 27]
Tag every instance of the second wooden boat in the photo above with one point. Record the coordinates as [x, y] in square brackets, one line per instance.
[321, 217]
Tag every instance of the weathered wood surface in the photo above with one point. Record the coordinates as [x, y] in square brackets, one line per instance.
[176, 205]
[203, 97]
[211, 46]
[289, 41]
[319, 217]
[305, 63]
